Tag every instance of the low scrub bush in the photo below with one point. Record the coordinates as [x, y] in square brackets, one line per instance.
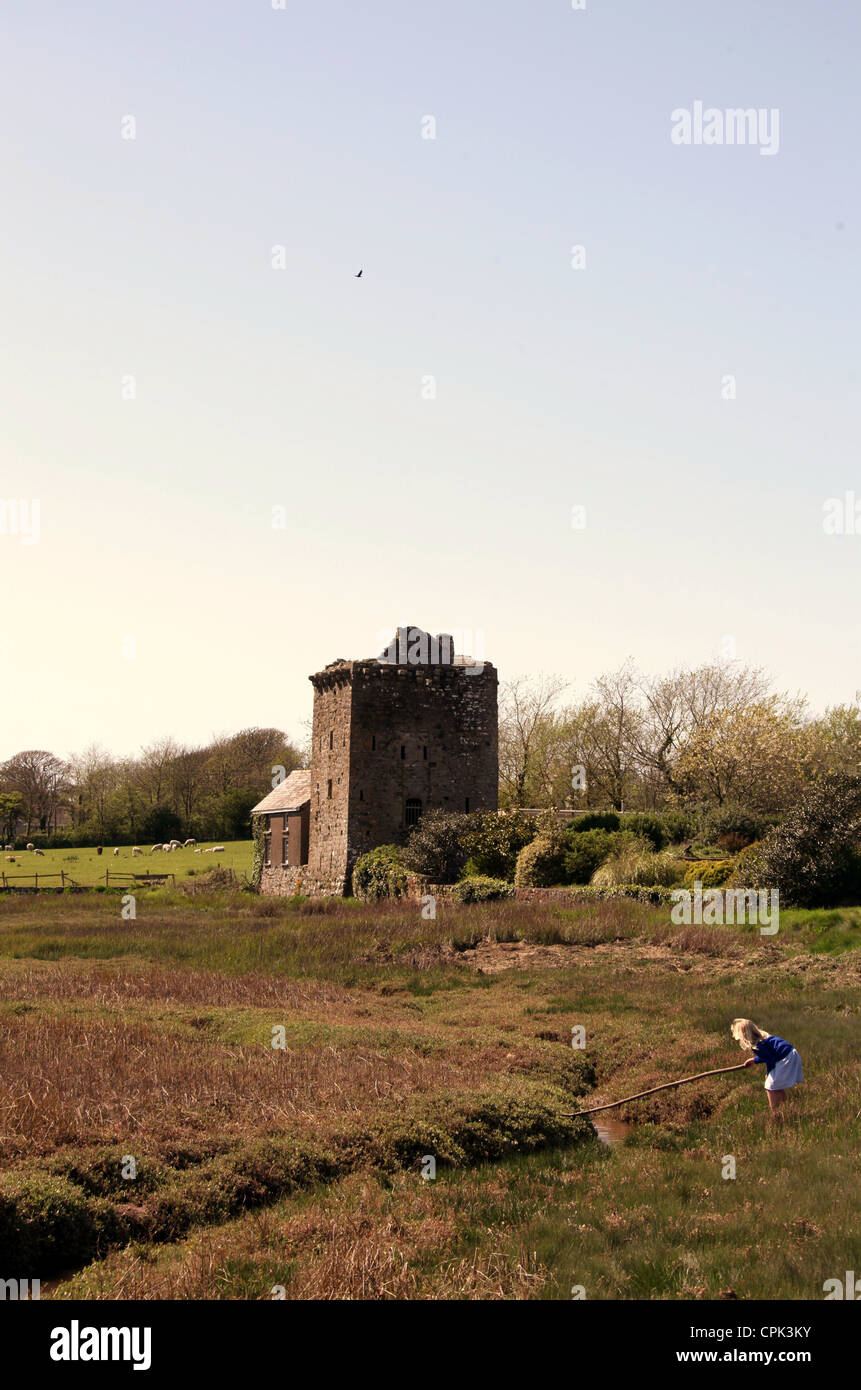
[495, 840]
[594, 820]
[711, 873]
[732, 828]
[635, 892]
[462, 1129]
[679, 826]
[637, 863]
[746, 868]
[439, 846]
[541, 864]
[379, 874]
[585, 852]
[646, 826]
[481, 889]
[48, 1223]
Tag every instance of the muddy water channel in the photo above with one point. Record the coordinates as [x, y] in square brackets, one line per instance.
[612, 1132]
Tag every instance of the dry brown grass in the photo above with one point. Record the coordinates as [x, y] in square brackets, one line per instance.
[92, 1081]
[367, 1242]
[150, 1036]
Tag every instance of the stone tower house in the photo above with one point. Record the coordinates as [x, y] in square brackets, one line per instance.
[394, 736]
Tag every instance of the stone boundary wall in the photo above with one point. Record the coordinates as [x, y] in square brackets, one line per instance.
[419, 887]
[550, 895]
[280, 882]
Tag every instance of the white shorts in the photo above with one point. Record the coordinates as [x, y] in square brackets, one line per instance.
[787, 1072]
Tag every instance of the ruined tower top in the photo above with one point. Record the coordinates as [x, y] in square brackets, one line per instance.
[412, 646]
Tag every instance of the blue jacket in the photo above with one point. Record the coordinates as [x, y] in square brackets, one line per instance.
[771, 1051]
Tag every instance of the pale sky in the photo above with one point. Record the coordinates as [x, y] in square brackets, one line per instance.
[145, 265]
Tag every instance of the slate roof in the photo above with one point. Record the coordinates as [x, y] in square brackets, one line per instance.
[292, 793]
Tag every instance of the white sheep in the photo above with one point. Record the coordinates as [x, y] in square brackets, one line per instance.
[189, 842]
[166, 849]
[8, 846]
[40, 852]
[156, 847]
[218, 849]
[136, 850]
[29, 846]
[200, 851]
[116, 852]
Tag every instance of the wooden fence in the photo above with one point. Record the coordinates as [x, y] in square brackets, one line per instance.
[38, 883]
[21, 883]
[137, 880]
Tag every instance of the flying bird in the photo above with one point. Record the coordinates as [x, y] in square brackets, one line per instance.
[356, 277]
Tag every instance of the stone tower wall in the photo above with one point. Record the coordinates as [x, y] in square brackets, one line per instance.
[384, 733]
[330, 764]
[425, 732]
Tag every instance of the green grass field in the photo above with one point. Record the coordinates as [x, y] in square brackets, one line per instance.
[87, 867]
[299, 1165]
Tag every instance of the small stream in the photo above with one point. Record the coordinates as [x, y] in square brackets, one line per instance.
[612, 1132]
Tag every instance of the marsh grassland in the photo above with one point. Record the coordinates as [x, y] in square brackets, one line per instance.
[300, 1166]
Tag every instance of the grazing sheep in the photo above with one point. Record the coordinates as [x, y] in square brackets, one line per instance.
[29, 846]
[116, 852]
[40, 852]
[218, 849]
[166, 849]
[136, 850]
[189, 842]
[154, 848]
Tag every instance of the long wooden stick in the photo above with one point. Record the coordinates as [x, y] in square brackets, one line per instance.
[666, 1086]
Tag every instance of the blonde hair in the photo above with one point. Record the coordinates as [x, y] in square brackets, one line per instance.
[745, 1032]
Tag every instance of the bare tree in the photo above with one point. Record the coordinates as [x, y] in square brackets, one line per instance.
[43, 781]
[678, 705]
[526, 711]
[610, 734]
[154, 767]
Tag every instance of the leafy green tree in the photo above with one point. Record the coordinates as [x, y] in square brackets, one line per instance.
[812, 857]
[10, 810]
[161, 823]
